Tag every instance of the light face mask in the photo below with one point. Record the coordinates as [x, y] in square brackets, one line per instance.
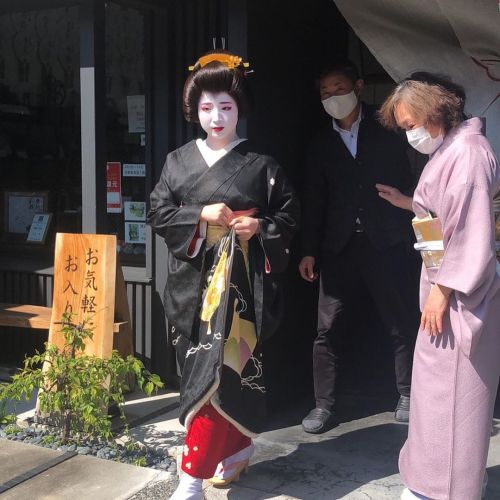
[421, 140]
[340, 106]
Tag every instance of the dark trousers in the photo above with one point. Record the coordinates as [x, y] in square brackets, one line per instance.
[389, 279]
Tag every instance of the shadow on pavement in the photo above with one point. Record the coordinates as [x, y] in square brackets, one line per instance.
[333, 467]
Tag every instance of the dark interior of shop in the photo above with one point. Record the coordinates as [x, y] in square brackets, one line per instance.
[288, 48]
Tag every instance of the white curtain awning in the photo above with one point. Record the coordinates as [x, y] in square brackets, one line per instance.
[458, 38]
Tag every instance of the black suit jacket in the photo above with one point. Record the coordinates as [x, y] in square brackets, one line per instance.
[339, 189]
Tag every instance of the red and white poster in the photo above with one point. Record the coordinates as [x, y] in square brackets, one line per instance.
[114, 187]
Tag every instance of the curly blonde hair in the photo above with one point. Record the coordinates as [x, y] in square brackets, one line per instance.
[432, 99]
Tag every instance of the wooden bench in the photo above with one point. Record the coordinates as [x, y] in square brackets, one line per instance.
[38, 317]
[87, 262]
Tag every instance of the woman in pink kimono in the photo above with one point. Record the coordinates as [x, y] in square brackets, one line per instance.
[457, 355]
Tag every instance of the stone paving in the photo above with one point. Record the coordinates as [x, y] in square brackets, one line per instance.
[356, 461]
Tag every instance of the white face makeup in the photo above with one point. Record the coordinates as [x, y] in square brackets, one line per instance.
[218, 115]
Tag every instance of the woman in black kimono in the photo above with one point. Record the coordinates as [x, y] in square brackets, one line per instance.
[227, 215]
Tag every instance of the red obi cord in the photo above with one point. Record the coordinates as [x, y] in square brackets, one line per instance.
[196, 237]
[209, 440]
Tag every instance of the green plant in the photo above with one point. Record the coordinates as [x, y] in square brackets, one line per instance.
[140, 461]
[48, 439]
[76, 389]
[5, 418]
[131, 446]
[12, 429]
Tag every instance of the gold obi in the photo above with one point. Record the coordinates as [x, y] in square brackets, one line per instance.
[215, 233]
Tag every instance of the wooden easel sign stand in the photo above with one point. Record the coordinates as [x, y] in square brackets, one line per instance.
[89, 284]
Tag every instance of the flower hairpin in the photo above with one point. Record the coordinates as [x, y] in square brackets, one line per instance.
[229, 60]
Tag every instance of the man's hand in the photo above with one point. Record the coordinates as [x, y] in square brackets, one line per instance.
[218, 213]
[395, 197]
[245, 227]
[306, 268]
[434, 310]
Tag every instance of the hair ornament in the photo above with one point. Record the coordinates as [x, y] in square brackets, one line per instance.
[229, 60]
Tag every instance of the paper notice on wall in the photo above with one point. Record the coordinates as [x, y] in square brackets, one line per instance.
[39, 228]
[135, 232]
[134, 210]
[136, 114]
[21, 207]
[134, 170]
[113, 187]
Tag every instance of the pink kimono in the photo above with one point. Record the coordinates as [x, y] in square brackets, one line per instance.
[455, 375]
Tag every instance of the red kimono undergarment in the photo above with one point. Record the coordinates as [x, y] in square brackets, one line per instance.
[209, 440]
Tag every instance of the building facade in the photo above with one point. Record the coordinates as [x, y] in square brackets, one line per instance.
[90, 104]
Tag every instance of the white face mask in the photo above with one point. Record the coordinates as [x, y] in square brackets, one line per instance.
[218, 115]
[421, 140]
[340, 106]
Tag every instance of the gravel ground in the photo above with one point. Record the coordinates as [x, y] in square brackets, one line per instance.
[41, 436]
[159, 490]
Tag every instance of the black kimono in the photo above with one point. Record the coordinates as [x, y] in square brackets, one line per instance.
[242, 180]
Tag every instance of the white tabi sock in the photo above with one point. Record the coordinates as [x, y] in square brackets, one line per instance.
[410, 495]
[190, 488]
[228, 466]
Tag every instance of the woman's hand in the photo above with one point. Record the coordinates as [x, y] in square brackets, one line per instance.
[434, 310]
[245, 227]
[306, 268]
[218, 213]
[395, 196]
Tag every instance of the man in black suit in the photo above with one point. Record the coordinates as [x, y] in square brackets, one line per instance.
[353, 237]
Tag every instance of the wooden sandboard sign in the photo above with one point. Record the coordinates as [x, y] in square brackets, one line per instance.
[88, 282]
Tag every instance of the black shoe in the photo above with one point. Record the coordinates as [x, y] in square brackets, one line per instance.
[319, 420]
[402, 413]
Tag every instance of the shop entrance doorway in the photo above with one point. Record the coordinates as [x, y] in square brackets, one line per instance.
[288, 48]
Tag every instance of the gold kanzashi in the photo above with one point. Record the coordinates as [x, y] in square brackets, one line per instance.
[228, 60]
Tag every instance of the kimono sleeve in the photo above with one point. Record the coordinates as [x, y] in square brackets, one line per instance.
[469, 262]
[281, 219]
[178, 225]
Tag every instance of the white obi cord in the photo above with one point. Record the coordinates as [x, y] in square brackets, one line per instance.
[432, 252]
